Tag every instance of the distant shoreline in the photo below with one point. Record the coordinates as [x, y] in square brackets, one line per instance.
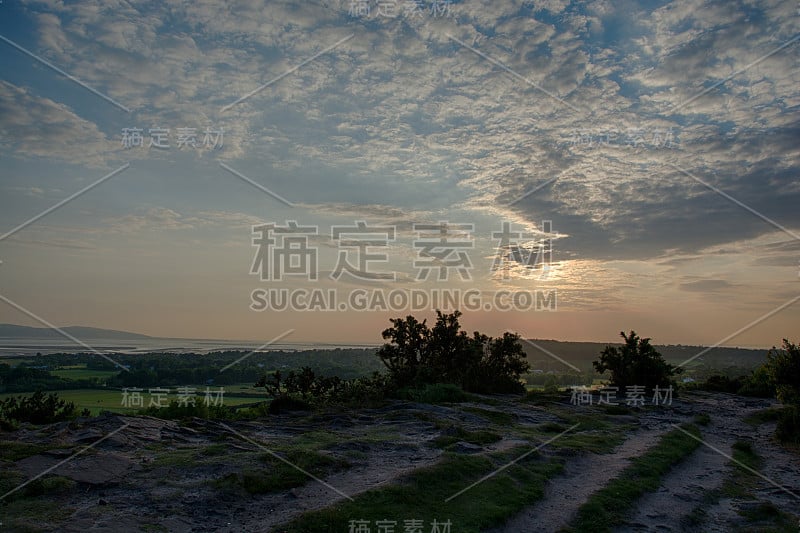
[26, 347]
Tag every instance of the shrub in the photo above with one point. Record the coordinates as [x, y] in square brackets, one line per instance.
[783, 368]
[758, 384]
[788, 427]
[303, 390]
[720, 383]
[417, 355]
[200, 409]
[636, 362]
[551, 385]
[285, 404]
[38, 408]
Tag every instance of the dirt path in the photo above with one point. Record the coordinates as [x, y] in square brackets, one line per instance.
[780, 466]
[684, 487]
[583, 475]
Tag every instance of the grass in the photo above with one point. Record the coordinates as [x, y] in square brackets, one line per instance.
[30, 514]
[422, 495]
[553, 427]
[589, 441]
[314, 440]
[259, 472]
[703, 419]
[14, 451]
[609, 506]
[31, 506]
[215, 449]
[454, 434]
[764, 416]
[185, 457]
[766, 517]
[97, 400]
[278, 475]
[542, 398]
[593, 419]
[741, 480]
[596, 431]
[48, 485]
[10, 479]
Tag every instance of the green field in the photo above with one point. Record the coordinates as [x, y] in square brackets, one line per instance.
[97, 400]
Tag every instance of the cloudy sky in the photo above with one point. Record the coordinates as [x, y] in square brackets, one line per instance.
[660, 138]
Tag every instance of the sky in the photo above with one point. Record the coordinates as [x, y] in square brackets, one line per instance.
[649, 151]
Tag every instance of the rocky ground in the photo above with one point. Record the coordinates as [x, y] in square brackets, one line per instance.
[147, 474]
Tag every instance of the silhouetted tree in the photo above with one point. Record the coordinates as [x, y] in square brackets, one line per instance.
[417, 354]
[636, 362]
[271, 383]
[407, 348]
[783, 369]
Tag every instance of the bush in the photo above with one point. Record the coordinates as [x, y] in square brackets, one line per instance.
[783, 368]
[369, 390]
[551, 385]
[177, 411]
[720, 383]
[311, 389]
[758, 384]
[636, 362]
[286, 404]
[788, 428]
[38, 408]
[417, 355]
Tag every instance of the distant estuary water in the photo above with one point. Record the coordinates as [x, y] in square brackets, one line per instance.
[10, 347]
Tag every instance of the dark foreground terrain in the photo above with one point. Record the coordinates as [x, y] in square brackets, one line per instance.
[493, 464]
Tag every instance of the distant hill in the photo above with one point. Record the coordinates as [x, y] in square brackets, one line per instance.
[13, 331]
[582, 354]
